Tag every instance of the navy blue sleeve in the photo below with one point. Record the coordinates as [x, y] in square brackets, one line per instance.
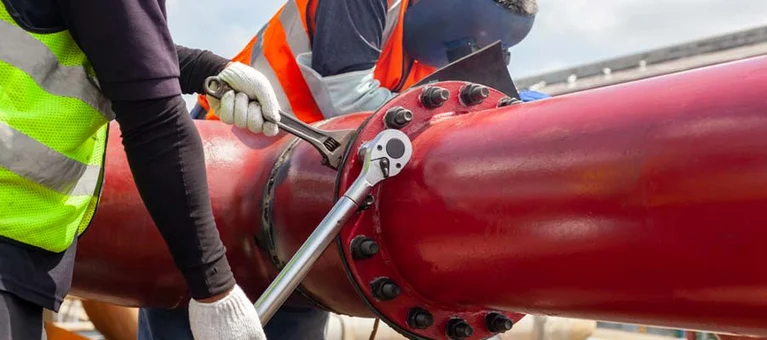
[348, 35]
[137, 64]
[129, 45]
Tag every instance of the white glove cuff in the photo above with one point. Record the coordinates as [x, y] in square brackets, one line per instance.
[233, 317]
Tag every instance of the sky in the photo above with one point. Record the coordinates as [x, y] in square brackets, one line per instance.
[566, 32]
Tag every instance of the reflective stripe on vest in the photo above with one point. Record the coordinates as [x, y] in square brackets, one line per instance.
[53, 127]
[286, 36]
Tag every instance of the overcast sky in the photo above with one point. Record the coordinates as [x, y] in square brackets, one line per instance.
[566, 32]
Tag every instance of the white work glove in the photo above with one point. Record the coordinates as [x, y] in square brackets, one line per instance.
[232, 318]
[253, 101]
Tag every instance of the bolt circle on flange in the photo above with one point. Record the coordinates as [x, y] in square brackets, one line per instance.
[498, 323]
[458, 329]
[397, 312]
[397, 117]
[364, 247]
[473, 94]
[384, 289]
[419, 318]
[434, 97]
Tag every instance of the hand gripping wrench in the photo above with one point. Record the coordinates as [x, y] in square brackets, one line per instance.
[330, 144]
[382, 157]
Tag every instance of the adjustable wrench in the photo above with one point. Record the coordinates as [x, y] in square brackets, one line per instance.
[330, 144]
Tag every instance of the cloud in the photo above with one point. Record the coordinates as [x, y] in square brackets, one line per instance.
[573, 32]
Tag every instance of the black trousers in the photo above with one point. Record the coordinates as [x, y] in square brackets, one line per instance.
[20, 319]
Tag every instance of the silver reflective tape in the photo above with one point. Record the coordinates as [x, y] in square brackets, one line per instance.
[295, 34]
[258, 61]
[36, 162]
[392, 18]
[26, 53]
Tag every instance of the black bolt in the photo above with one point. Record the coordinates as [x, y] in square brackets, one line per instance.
[367, 203]
[434, 97]
[363, 247]
[459, 329]
[384, 289]
[474, 94]
[498, 323]
[506, 101]
[397, 117]
[419, 318]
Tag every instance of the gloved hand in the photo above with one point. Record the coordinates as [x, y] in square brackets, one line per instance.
[232, 318]
[253, 101]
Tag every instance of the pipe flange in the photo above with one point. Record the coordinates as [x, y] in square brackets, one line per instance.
[375, 277]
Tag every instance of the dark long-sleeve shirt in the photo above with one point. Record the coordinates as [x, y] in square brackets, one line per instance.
[144, 73]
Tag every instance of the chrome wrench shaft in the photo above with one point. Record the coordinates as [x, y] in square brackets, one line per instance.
[382, 157]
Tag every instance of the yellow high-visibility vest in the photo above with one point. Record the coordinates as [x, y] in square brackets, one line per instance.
[53, 129]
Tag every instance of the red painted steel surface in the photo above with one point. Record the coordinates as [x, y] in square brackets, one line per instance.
[372, 223]
[122, 258]
[644, 202]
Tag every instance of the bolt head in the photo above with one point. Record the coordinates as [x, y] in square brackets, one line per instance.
[507, 101]
[384, 289]
[498, 323]
[397, 117]
[434, 97]
[419, 318]
[363, 247]
[459, 329]
[474, 94]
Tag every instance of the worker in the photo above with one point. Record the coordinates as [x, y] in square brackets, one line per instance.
[67, 68]
[353, 56]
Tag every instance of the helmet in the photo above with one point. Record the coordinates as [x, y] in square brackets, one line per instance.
[437, 32]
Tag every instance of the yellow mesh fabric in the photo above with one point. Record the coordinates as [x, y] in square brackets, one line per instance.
[70, 125]
[26, 214]
[29, 212]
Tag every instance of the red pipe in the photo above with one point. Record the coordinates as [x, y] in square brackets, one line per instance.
[122, 258]
[642, 203]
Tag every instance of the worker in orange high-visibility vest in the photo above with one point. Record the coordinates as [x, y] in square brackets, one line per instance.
[328, 58]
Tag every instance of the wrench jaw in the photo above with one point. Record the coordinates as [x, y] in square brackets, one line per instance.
[332, 155]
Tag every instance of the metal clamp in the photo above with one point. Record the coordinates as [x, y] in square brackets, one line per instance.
[330, 144]
[382, 157]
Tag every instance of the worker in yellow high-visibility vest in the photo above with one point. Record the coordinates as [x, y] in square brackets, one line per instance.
[66, 69]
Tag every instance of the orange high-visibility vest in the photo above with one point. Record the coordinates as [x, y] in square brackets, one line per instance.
[274, 49]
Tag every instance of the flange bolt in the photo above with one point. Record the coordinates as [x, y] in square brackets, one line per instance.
[506, 101]
[384, 289]
[363, 247]
[459, 329]
[474, 94]
[434, 97]
[419, 318]
[397, 117]
[498, 323]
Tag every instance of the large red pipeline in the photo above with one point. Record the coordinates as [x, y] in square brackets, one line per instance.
[644, 203]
